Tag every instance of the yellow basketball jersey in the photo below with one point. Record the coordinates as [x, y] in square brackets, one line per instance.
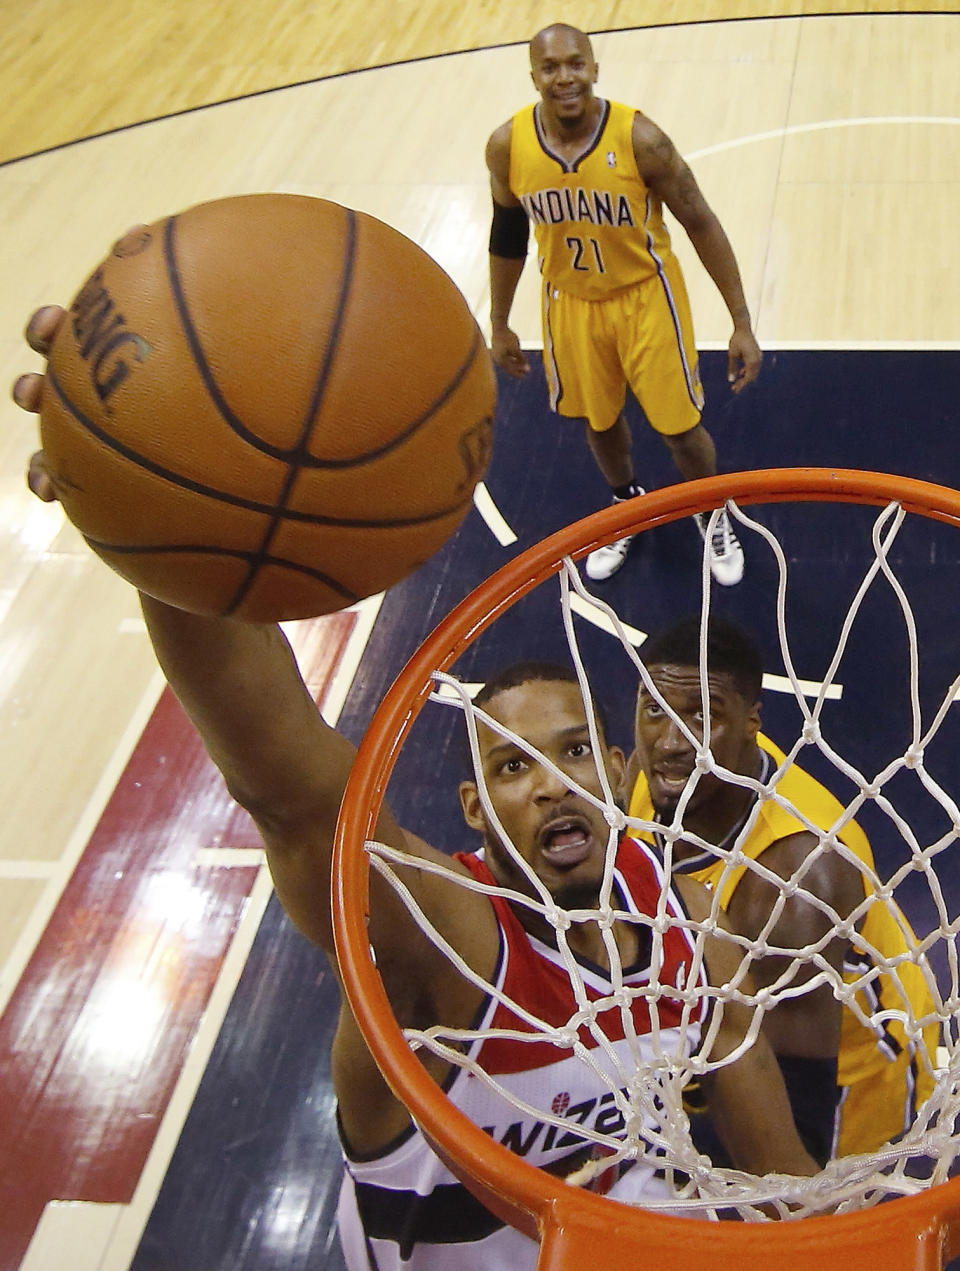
[863, 1050]
[598, 227]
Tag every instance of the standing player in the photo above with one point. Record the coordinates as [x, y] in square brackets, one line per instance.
[852, 1087]
[400, 1207]
[592, 176]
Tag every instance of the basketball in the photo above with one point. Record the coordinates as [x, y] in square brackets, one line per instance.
[267, 406]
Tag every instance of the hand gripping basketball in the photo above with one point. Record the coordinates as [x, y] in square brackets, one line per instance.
[28, 390]
[267, 406]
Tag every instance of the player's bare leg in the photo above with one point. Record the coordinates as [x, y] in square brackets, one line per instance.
[695, 456]
[693, 452]
[612, 450]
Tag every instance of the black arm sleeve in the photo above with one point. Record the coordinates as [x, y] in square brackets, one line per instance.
[814, 1093]
[509, 232]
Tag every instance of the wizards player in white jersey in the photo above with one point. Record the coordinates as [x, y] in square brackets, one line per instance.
[240, 684]
[405, 1197]
[592, 177]
[399, 1206]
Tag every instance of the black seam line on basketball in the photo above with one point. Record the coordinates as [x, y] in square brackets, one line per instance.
[196, 349]
[295, 453]
[223, 496]
[398, 439]
[204, 549]
[349, 257]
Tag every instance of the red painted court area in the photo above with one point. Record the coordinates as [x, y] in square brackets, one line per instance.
[96, 1034]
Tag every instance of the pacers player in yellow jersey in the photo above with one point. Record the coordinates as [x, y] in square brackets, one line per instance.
[592, 176]
[852, 1087]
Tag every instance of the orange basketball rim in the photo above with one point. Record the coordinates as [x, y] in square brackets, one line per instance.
[576, 1227]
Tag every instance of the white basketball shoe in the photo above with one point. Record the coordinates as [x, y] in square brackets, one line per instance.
[726, 554]
[603, 562]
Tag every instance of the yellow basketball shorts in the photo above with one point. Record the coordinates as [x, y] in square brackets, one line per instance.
[641, 337]
[882, 1105]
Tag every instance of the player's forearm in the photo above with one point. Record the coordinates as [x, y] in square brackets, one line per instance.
[806, 1027]
[751, 1113]
[713, 247]
[504, 279]
[240, 685]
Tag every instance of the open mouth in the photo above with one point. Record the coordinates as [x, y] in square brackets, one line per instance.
[566, 841]
[669, 783]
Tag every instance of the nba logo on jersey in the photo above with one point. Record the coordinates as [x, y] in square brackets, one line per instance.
[611, 159]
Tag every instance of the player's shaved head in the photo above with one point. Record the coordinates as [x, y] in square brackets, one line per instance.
[543, 38]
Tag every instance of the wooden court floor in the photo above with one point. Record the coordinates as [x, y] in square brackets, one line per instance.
[827, 142]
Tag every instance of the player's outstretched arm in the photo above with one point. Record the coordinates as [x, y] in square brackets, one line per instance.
[240, 684]
[747, 1098]
[241, 687]
[669, 177]
[508, 252]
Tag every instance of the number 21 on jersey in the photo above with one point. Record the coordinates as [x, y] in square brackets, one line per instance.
[586, 254]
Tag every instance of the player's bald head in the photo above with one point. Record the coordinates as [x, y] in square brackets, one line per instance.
[558, 31]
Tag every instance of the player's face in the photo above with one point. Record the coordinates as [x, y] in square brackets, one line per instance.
[667, 757]
[556, 831]
[564, 72]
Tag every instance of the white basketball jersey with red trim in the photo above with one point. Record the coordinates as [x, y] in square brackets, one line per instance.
[405, 1210]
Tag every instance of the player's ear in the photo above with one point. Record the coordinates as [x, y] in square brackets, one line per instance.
[616, 768]
[753, 720]
[631, 770]
[471, 807]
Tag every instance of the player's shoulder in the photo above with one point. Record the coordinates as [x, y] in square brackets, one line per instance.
[650, 143]
[498, 145]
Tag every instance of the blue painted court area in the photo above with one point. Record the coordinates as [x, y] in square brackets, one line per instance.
[252, 1186]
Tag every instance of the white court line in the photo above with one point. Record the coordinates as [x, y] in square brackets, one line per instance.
[777, 683]
[339, 686]
[599, 619]
[820, 125]
[819, 346]
[809, 688]
[839, 346]
[494, 518]
[230, 857]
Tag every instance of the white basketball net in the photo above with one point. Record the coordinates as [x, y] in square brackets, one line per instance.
[646, 1089]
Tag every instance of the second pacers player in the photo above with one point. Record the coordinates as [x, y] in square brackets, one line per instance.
[592, 176]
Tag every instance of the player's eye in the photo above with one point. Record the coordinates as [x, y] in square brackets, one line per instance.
[513, 765]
